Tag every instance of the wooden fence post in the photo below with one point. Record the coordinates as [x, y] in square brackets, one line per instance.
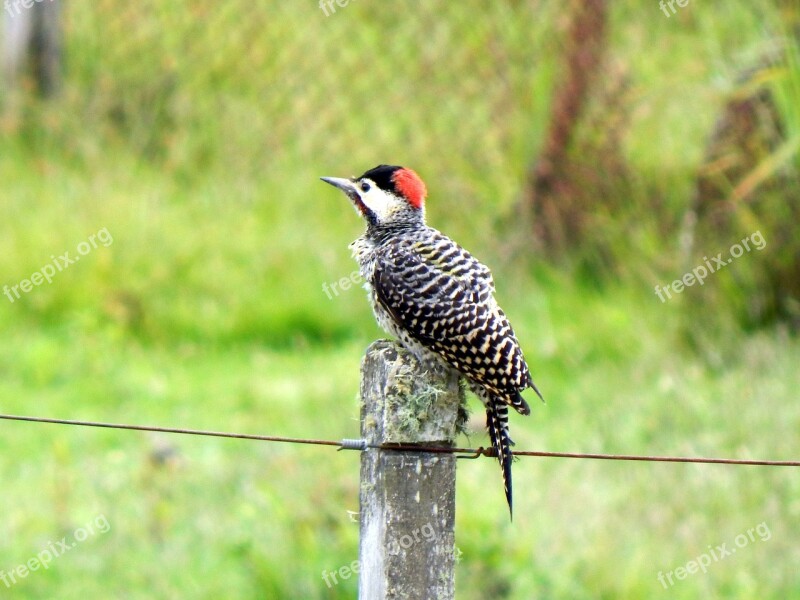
[32, 41]
[407, 516]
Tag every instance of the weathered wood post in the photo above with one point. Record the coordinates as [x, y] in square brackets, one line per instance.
[32, 41]
[407, 517]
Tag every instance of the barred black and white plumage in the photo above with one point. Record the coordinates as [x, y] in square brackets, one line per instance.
[436, 298]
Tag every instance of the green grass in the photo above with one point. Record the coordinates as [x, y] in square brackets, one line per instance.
[246, 519]
[195, 134]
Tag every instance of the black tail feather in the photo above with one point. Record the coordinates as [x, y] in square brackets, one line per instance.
[519, 404]
[497, 424]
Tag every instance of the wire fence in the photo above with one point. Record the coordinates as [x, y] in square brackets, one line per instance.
[357, 444]
[304, 82]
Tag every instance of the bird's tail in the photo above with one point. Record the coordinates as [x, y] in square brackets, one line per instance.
[497, 424]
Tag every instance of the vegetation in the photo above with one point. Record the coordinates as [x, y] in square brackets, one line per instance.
[194, 132]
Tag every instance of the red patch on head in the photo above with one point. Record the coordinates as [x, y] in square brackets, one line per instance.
[410, 186]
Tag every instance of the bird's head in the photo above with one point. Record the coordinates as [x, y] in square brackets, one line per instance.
[385, 195]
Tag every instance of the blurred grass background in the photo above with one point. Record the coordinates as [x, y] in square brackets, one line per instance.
[196, 133]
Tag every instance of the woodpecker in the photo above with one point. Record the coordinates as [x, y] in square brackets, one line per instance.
[436, 298]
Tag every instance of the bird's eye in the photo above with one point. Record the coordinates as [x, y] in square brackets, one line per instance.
[365, 187]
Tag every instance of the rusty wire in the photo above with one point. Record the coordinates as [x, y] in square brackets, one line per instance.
[358, 444]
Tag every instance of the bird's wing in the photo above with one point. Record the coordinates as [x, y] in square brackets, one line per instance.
[443, 297]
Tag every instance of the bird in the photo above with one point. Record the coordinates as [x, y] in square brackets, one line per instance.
[436, 298]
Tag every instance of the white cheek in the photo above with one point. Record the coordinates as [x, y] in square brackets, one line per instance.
[378, 204]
